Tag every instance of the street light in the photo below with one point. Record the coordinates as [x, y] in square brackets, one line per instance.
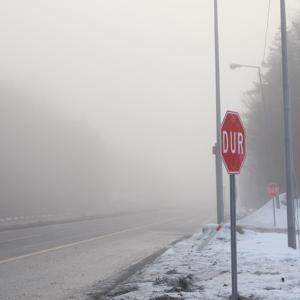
[266, 119]
[290, 193]
[236, 66]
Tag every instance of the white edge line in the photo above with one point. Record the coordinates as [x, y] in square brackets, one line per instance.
[81, 242]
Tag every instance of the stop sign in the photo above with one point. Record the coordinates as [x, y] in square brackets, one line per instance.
[273, 189]
[233, 142]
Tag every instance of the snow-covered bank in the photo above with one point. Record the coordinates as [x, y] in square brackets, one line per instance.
[199, 267]
[263, 217]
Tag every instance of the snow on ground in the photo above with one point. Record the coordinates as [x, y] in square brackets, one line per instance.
[263, 217]
[199, 268]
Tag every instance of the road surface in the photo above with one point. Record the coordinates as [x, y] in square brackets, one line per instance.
[59, 261]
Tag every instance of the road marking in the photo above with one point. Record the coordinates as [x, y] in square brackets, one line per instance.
[83, 241]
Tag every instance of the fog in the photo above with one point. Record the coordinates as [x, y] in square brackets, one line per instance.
[110, 105]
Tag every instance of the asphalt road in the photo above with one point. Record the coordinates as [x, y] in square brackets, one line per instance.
[59, 261]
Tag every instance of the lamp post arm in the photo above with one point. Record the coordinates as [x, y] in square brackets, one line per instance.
[251, 66]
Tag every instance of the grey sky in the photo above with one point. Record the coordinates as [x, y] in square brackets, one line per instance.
[141, 72]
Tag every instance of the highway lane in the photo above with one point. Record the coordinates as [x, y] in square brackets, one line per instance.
[58, 261]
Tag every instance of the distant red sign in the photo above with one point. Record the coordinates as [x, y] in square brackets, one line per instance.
[273, 189]
[233, 142]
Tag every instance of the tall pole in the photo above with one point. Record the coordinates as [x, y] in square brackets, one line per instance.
[219, 171]
[262, 90]
[274, 212]
[265, 114]
[269, 132]
[289, 153]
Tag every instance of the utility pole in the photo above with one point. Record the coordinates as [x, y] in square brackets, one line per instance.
[289, 151]
[216, 149]
[265, 114]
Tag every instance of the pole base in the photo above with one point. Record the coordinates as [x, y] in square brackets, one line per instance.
[239, 298]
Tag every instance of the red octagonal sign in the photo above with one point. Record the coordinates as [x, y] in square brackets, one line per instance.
[273, 189]
[233, 142]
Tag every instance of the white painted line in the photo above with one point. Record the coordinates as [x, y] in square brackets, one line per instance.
[82, 241]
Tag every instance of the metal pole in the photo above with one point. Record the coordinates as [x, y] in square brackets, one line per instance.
[234, 295]
[219, 169]
[289, 155]
[262, 92]
[268, 127]
[277, 202]
[274, 214]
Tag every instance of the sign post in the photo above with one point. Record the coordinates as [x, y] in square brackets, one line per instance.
[234, 294]
[277, 202]
[274, 213]
[233, 151]
[273, 192]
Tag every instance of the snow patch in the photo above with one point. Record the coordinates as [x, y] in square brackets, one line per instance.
[199, 267]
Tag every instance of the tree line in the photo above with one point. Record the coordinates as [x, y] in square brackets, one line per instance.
[264, 119]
